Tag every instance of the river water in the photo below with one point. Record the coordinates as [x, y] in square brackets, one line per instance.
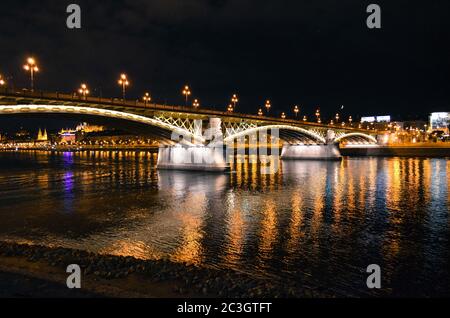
[318, 223]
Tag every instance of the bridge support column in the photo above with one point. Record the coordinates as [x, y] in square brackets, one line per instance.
[199, 158]
[196, 157]
[311, 152]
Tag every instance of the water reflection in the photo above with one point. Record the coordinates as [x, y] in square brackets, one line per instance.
[315, 223]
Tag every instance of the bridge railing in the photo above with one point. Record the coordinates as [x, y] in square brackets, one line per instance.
[76, 98]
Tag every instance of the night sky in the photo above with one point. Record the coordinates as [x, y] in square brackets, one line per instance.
[311, 52]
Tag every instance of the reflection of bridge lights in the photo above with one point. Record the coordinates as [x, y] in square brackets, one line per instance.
[32, 67]
[146, 98]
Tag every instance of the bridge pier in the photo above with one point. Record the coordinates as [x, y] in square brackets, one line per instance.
[197, 158]
[311, 152]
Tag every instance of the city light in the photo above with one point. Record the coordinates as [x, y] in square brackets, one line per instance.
[196, 103]
[283, 115]
[234, 100]
[146, 98]
[268, 105]
[2, 81]
[31, 67]
[186, 92]
[318, 115]
[83, 90]
[296, 111]
[260, 112]
[230, 108]
[123, 81]
[305, 118]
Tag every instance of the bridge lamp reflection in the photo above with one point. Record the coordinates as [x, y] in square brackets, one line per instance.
[123, 81]
[196, 103]
[186, 92]
[84, 91]
[146, 98]
[31, 66]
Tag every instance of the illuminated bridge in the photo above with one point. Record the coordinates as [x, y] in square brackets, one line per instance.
[175, 125]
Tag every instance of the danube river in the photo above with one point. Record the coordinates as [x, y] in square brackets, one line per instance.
[318, 223]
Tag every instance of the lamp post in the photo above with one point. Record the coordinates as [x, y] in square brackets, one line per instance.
[305, 118]
[260, 112]
[234, 100]
[84, 91]
[146, 98]
[283, 115]
[296, 111]
[2, 81]
[268, 105]
[337, 118]
[186, 92]
[123, 81]
[196, 103]
[318, 115]
[31, 67]
[350, 120]
[230, 108]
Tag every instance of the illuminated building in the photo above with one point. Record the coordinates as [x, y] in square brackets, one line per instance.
[42, 136]
[440, 121]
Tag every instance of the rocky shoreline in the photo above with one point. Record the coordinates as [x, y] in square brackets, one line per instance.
[185, 280]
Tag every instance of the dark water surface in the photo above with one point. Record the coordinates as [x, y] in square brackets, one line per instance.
[318, 223]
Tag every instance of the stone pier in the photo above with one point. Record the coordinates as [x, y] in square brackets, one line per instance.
[311, 152]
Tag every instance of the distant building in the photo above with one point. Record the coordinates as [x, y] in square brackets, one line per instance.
[86, 128]
[67, 136]
[440, 121]
[42, 136]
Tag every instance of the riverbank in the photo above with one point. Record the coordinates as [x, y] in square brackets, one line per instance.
[430, 151]
[26, 267]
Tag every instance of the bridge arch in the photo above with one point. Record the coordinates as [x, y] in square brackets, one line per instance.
[92, 111]
[366, 137]
[286, 132]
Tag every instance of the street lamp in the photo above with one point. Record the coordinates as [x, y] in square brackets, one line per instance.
[32, 68]
[268, 105]
[186, 93]
[146, 98]
[234, 100]
[305, 118]
[318, 115]
[350, 119]
[230, 108]
[260, 112]
[123, 80]
[83, 90]
[283, 115]
[2, 81]
[296, 111]
[337, 118]
[196, 103]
